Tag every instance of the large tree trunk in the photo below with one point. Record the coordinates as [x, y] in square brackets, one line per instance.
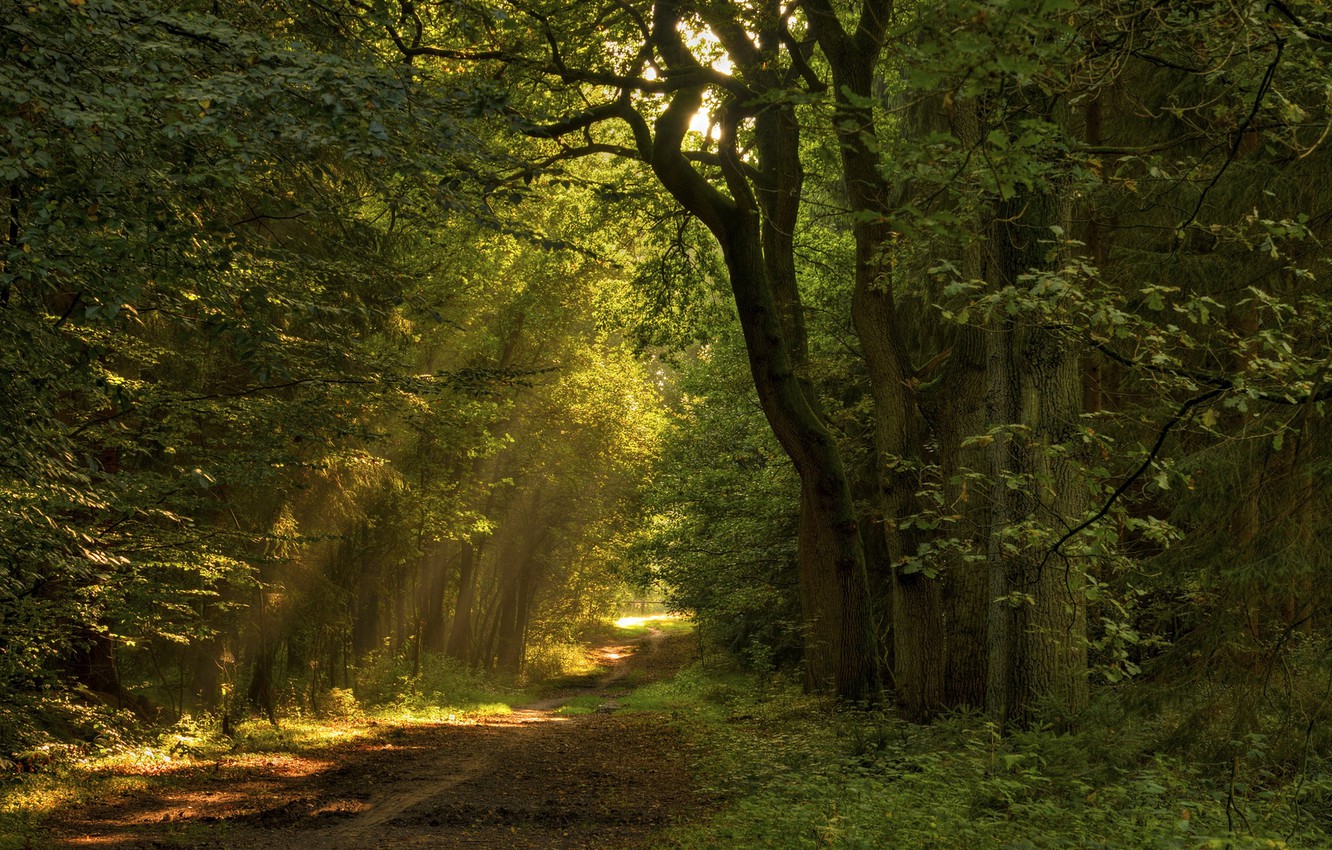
[1037, 634]
[919, 646]
[840, 649]
[917, 610]
[965, 590]
[840, 652]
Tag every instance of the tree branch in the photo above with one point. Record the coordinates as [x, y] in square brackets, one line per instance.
[1208, 379]
[1263, 88]
[1134, 476]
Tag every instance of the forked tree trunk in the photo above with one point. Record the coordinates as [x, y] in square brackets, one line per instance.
[840, 655]
[840, 650]
[918, 634]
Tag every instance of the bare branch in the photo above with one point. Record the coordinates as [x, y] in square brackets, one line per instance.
[587, 118]
[1244, 128]
[1161, 435]
[715, 160]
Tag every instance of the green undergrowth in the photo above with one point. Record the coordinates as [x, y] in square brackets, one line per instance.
[124, 759]
[437, 688]
[794, 774]
[557, 662]
[699, 693]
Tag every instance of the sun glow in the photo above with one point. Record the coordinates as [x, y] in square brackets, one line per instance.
[634, 622]
[705, 45]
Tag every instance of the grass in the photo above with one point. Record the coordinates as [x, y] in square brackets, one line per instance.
[700, 693]
[794, 774]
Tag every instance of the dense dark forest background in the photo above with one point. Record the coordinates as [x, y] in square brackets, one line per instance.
[969, 356]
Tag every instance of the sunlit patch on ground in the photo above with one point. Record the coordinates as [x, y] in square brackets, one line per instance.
[651, 619]
[437, 776]
[276, 764]
[182, 805]
[524, 717]
[447, 715]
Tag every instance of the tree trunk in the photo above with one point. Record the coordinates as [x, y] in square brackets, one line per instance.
[1037, 633]
[434, 582]
[516, 600]
[917, 610]
[840, 654]
[460, 632]
[508, 649]
[366, 631]
[261, 690]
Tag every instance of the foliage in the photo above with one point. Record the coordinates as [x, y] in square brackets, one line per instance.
[794, 776]
[271, 352]
[351, 348]
[719, 534]
[441, 687]
[169, 295]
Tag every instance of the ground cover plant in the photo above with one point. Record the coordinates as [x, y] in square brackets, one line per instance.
[795, 774]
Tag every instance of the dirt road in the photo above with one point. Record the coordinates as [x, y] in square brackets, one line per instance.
[531, 779]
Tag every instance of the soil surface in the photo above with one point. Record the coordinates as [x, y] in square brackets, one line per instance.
[531, 779]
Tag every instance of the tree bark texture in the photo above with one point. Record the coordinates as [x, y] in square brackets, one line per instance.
[918, 624]
[1037, 631]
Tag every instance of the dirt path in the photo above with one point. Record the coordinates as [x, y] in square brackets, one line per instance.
[531, 779]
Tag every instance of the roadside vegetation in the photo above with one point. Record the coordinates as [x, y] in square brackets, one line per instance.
[780, 769]
[790, 772]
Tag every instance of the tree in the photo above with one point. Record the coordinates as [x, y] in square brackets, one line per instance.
[719, 538]
[751, 208]
[974, 184]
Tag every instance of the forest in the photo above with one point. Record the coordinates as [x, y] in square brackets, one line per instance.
[943, 384]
